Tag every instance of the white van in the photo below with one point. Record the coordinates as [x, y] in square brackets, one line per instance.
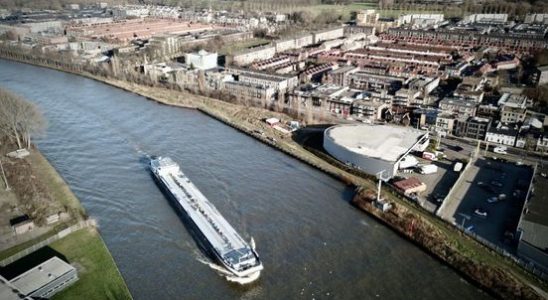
[501, 150]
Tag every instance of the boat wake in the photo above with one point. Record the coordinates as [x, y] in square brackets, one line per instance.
[229, 276]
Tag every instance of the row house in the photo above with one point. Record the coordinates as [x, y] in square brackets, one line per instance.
[249, 56]
[505, 136]
[458, 107]
[316, 73]
[472, 127]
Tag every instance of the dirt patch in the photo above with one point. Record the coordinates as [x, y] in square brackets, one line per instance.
[33, 197]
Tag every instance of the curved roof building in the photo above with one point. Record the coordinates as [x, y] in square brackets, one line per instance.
[373, 148]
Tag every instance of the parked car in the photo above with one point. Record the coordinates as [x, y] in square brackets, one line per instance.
[493, 199]
[480, 212]
[496, 183]
[487, 187]
[458, 166]
[428, 169]
[429, 156]
[501, 150]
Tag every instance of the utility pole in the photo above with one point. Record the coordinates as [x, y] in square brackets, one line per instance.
[4, 175]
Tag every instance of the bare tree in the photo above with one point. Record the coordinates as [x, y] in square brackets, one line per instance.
[19, 119]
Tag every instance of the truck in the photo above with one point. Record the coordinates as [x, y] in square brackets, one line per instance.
[428, 169]
[429, 156]
[408, 161]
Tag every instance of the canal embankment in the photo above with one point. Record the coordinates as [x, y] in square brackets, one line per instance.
[75, 237]
[517, 283]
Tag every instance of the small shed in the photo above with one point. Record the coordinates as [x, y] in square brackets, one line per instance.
[21, 224]
[272, 121]
[411, 185]
[21, 153]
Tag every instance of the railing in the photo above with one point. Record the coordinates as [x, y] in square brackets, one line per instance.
[59, 235]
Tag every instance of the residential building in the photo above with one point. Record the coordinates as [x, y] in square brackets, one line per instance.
[362, 79]
[420, 20]
[341, 76]
[445, 124]
[513, 108]
[328, 34]
[201, 60]
[369, 109]
[367, 17]
[249, 93]
[543, 78]
[280, 84]
[459, 107]
[487, 18]
[542, 143]
[425, 85]
[249, 56]
[536, 18]
[502, 135]
[473, 127]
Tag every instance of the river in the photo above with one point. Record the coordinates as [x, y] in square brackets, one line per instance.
[313, 243]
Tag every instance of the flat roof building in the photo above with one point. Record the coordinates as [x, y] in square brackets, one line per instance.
[46, 279]
[373, 148]
[10, 292]
[533, 225]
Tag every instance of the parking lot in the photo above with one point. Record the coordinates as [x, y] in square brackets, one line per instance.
[438, 184]
[505, 184]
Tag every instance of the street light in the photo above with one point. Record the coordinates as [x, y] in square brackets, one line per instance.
[465, 217]
[379, 175]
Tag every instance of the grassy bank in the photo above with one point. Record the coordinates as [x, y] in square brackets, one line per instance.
[57, 187]
[84, 249]
[99, 276]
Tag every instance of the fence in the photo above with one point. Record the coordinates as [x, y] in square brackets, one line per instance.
[526, 264]
[59, 235]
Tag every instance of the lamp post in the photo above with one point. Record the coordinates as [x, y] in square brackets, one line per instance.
[381, 178]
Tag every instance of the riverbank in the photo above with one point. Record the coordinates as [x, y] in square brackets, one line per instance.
[249, 120]
[83, 248]
[490, 271]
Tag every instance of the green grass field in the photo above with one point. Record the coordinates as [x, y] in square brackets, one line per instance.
[99, 276]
